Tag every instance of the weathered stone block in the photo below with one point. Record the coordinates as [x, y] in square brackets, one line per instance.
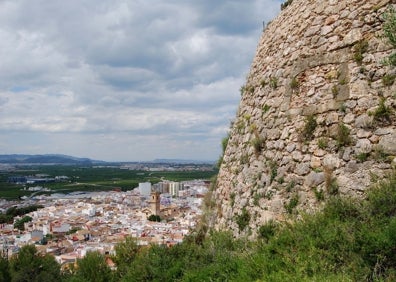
[302, 169]
[314, 179]
[388, 143]
[363, 146]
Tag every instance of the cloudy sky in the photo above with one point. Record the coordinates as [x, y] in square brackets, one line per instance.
[120, 80]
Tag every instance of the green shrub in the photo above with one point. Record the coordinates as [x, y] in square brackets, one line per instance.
[382, 198]
[294, 84]
[285, 4]
[20, 223]
[224, 142]
[281, 180]
[244, 159]
[291, 204]
[383, 112]
[273, 82]
[266, 108]
[309, 127]
[319, 194]
[388, 79]
[333, 188]
[258, 144]
[243, 219]
[253, 128]
[343, 81]
[290, 186]
[256, 199]
[232, 199]
[362, 157]
[335, 90]
[343, 209]
[379, 154]
[273, 170]
[240, 126]
[250, 89]
[389, 29]
[343, 136]
[267, 230]
[330, 182]
[323, 143]
[242, 89]
[154, 217]
[268, 195]
[359, 49]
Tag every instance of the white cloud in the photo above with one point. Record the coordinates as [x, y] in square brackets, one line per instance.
[124, 80]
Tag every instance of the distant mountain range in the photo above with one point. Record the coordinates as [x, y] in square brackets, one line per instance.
[44, 159]
[69, 160]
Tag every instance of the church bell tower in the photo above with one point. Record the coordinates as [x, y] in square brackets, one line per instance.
[155, 203]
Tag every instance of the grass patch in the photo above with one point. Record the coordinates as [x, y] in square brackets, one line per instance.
[258, 144]
[319, 194]
[335, 91]
[273, 170]
[292, 204]
[343, 136]
[243, 219]
[362, 157]
[294, 83]
[290, 186]
[232, 199]
[383, 112]
[273, 83]
[323, 143]
[358, 50]
[380, 155]
[266, 108]
[268, 230]
[388, 79]
[256, 199]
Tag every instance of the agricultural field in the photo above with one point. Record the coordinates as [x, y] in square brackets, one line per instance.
[89, 178]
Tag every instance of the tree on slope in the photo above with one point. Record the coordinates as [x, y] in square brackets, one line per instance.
[29, 266]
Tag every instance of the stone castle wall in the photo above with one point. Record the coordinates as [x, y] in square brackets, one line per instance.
[314, 119]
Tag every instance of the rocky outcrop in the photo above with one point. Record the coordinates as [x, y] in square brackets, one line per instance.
[316, 117]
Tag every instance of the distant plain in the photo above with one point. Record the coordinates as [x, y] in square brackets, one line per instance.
[89, 178]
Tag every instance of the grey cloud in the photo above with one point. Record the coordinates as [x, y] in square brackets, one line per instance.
[80, 76]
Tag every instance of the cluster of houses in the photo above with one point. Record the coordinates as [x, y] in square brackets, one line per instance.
[69, 227]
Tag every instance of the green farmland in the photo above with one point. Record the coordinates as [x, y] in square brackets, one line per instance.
[89, 178]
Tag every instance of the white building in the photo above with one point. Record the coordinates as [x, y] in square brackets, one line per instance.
[175, 187]
[89, 210]
[145, 188]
